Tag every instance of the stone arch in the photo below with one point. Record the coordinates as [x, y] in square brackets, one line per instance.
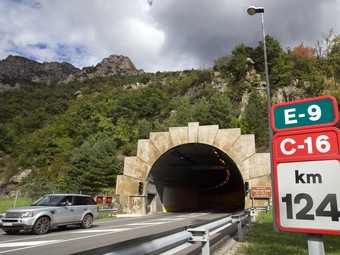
[254, 167]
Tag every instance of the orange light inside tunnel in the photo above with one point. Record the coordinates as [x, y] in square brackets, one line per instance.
[228, 174]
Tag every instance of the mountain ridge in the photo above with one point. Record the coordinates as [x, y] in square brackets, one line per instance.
[17, 70]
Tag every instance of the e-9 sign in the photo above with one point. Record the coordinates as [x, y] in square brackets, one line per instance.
[312, 112]
[322, 143]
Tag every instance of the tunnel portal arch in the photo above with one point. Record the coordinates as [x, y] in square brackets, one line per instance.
[194, 175]
[190, 167]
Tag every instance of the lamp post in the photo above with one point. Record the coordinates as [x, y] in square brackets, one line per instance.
[252, 10]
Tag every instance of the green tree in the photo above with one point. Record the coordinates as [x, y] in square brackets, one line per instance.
[292, 68]
[334, 59]
[255, 120]
[182, 114]
[6, 139]
[274, 50]
[234, 64]
[237, 61]
[222, 110]
[123, 132]
[141, 103]
[94, 165]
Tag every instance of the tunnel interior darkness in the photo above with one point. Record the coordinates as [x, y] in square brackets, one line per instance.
[203, 173]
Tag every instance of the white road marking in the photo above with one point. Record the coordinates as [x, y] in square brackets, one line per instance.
[144, 223]
[19, 244]
[102, 230]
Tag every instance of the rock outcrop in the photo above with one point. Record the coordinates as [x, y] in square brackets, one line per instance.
[16, 70]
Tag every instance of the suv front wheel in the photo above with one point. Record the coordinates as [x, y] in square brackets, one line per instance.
[41, 226]
[87, 221]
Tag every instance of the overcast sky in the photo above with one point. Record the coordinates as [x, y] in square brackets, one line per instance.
[168, 35]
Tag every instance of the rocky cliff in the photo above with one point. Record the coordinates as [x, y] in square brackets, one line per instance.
[16, 70]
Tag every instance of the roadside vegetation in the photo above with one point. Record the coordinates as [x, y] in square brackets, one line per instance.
[60, 142]
[7, 202]
[260, 239]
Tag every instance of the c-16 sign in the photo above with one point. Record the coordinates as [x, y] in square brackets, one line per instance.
[306, 157]
[318, 143]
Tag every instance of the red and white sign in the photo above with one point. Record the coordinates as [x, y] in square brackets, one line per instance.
[317, 144]
[307, 197]
[306, 170]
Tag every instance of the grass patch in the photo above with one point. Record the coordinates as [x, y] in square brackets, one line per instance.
[261, 239]
[7, 202]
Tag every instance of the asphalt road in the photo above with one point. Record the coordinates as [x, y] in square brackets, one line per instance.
[104, 233]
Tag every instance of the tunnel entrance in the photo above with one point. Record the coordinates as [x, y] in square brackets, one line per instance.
[194, 176]
[193, 167]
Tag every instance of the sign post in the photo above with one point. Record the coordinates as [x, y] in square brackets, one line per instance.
[306, 155]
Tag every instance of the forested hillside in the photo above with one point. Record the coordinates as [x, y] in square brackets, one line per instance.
[74, 137]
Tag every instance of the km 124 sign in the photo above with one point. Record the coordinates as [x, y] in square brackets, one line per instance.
[308, 197]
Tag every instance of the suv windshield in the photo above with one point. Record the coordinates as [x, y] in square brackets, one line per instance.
[48, 201]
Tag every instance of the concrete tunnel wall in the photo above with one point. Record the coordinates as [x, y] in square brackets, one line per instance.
[254, 167]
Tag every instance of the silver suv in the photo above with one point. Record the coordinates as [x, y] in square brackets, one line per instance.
[53, 210]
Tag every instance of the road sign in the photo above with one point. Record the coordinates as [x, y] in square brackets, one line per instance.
[308, 196]
[261, 192]
[306, 113]
[316, 144]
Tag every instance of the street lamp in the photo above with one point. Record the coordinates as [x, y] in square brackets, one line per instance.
[252, 10]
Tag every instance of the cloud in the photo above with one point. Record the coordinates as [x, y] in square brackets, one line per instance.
[167, 35]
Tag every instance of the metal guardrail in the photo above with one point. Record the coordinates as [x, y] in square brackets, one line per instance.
[109, 210]
[183, 239]
[178, 241]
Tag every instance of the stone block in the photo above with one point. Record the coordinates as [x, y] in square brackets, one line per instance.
[162, 141]
[136, 168]
[179, 135]
[193, 132]
[257, 164]
[243, 148]
[126, 185]
[207, 134]
[147, 151]
[225, 138]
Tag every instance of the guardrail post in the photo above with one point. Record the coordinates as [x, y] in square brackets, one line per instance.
[201, 235]
[252, 215]
[237, 218]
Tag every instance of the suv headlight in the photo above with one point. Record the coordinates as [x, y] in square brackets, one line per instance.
[27, 214]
